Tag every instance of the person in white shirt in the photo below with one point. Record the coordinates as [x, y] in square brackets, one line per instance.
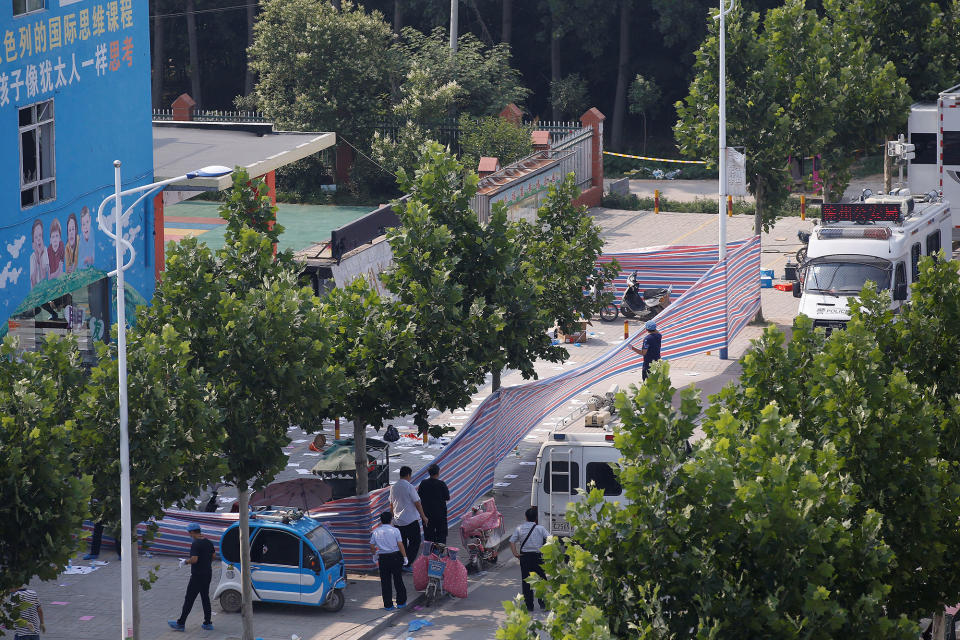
[408, 512]
[532, 537]
[387, 546]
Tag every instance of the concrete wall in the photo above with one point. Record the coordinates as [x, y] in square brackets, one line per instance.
[369, 260]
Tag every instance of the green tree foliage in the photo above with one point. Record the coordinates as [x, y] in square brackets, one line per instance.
[917, 36]
[321, 69]
[44, 500]
[493, 136]
[757, 533]
[796, 84]
[258, 337]
[569, 95]
[500, 296]
[484, 74]
[562, 246]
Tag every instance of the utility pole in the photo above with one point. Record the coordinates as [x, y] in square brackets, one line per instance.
[454, 25]
[722, 246]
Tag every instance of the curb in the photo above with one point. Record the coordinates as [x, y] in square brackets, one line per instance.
[388, 621]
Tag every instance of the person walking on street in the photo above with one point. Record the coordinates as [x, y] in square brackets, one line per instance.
[386, 544]
[201, 556]
[29, 622]
[532, 536]
[650, 349]
[434, 495]
[407, 513]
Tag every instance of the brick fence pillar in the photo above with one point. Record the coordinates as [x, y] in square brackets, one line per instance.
[512, 113]
[183, 108]
[594, 119]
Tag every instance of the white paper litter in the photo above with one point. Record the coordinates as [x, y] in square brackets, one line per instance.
[501, 484]
[300, 441]
[303, 471]
[528, 463]
[511, 476]
[293, 464]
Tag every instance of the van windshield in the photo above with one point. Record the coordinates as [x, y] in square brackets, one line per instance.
[846, 277]
[327, 546]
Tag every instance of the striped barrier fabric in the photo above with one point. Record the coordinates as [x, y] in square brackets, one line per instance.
[693, 323]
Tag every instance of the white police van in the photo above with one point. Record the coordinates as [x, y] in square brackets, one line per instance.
[566, 464]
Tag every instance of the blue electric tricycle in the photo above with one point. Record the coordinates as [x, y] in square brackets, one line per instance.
[293, 559]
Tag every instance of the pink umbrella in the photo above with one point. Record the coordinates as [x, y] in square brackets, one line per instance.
[301, 493]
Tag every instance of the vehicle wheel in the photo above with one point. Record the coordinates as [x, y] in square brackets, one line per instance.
[230, 601]
[493, 559]
[609, 312]
[481, 564]
[431, 593]
[335, 601]
[801, 255]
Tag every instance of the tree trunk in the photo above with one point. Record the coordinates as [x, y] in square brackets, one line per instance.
[194, 53]
[360, 455]
[644, 133]
[246, 606]
[397, 17]
[887, 169]
[620, 97]
[939, 630]
[554, 63]
[251, 18]
[135, 553]
[506, 24]
[495, 379]
[158, 63]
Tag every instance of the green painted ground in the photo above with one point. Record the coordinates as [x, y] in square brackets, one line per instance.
[304, 225]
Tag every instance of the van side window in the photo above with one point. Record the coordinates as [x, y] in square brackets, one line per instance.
[602, 474]
[272, 546]
[933, 242]
[230, 547]
[555, 477]
[915, 262]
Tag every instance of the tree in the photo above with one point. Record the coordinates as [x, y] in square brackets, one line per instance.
[623, 76]
[795, 86]
[563, 246]
[493, 136]
[569, 96]
[487, 81]
[259, 337]
[644, 98]
[757, 533]
[929, 62]
[195, 91]
[321, 69]
[500, 294]
[44, 500]
[173, 431]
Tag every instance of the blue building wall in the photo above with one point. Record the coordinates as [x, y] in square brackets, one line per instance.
[91, 57]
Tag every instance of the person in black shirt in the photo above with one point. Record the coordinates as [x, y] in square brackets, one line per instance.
[201, 572]
[650, 350]
[433, 497]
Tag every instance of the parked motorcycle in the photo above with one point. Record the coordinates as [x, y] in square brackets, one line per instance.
[481, 532]
[645, 305]
[609, 310]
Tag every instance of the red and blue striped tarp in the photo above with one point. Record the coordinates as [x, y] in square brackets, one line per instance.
[695, 322]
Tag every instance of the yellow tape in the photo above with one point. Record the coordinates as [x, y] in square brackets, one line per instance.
[624, 155]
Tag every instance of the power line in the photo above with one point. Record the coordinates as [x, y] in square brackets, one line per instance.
[196, 11]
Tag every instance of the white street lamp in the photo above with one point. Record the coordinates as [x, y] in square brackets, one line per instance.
[725, 8]
[122, 244]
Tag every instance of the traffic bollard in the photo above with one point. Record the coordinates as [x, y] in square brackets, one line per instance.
[803, 207]
[729, 206]
[426, 436]
[336, 428]
[656, 200]
[626, 330]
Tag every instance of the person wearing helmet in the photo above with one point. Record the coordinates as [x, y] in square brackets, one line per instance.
[201, 572]
[650, 349]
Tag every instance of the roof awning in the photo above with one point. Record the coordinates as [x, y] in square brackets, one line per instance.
[182, 147]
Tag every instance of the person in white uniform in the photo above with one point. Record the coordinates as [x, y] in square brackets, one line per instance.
[387, 546]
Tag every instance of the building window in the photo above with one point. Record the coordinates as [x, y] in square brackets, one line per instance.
[37, 171]
[21, 7]
[915, 262]
[933, 243]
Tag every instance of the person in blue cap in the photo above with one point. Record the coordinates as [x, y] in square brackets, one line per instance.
[201, 572]
[650, 349]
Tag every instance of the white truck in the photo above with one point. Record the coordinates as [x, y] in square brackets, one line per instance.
[566, 464]
[934, 130]
[880, 239]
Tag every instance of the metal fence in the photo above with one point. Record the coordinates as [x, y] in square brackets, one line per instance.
[215, 116]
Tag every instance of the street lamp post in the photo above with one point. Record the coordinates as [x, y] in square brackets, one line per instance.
[121, 244]
[725, 8]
